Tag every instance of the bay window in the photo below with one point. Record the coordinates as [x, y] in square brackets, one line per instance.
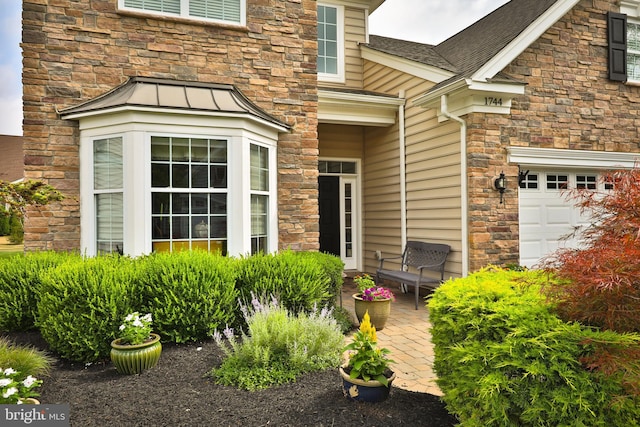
[157, 178]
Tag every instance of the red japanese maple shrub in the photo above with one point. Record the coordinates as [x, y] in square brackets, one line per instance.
[601, 280]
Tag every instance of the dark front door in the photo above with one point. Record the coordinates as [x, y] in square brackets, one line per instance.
[329, 206]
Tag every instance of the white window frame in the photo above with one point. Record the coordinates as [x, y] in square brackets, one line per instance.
[107, 191]
[136, 129]
[338, 77]
[184, 13]
[171, 190]
[632, 53]
[631, 8]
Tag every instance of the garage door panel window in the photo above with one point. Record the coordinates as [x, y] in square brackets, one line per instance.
[557, 182]
[529, 181]
[586, 182]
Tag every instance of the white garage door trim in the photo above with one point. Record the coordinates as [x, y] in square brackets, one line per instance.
[553, 157]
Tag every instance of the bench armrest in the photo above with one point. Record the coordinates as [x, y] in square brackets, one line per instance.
[382, 260]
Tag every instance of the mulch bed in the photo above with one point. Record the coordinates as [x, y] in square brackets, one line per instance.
[177, 392]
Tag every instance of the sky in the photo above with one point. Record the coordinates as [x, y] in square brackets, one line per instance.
[424, 21]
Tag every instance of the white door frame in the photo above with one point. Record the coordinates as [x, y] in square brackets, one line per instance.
[354, 262]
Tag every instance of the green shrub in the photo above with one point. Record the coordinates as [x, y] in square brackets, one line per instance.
[279, 346]
[189, 293]
[83, 302]
[16, 230]
[4, 222]
[332, 266]
[503, 358]
[20, 287]
[299, 281]
[25, 359]
[344, 319]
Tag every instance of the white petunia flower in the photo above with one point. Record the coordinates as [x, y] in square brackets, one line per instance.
[28, 382]
[9, 371]
[10, 391]
[5, 382]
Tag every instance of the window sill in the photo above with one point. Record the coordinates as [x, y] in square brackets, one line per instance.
[183, 20]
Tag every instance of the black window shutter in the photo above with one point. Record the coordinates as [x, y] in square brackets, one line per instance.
[617, 29]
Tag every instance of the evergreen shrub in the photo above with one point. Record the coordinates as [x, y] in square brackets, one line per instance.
[190, 294]
[5, 219]
[299, 281]
[332, 266]
[504, 358]
[20, 287]
[16, 230]
[83, 302]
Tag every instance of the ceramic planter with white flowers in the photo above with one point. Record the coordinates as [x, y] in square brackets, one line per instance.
[138, 348]
[16, 388]
[374, 299]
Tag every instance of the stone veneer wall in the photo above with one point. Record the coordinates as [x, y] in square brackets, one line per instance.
[569, 103]
[76, 50]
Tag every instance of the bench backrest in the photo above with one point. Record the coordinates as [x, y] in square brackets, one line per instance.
[422, 253]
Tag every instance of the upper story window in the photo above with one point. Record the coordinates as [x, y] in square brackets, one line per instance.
[330, 43]
[633, 51]
[624, 42]
[223, 11]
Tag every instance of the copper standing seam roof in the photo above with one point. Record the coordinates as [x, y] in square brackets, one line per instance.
[153, 93]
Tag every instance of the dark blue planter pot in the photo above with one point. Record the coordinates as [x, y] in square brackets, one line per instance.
[364, 391]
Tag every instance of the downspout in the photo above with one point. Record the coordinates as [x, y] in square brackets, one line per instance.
[464, 204]
[403, 169]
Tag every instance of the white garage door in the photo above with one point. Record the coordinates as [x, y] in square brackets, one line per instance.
[546, 217]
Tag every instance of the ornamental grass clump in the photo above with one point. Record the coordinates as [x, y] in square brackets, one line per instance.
[27, 360]
[366, 360]
[278, 345]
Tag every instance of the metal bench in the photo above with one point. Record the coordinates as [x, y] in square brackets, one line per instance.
[422, 257]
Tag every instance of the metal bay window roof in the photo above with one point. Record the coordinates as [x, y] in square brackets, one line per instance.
[165, 94]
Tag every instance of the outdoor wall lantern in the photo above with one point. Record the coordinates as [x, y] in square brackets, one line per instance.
[501, 184]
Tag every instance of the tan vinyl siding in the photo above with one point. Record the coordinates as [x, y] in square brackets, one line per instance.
[432, 175]
[340, 141]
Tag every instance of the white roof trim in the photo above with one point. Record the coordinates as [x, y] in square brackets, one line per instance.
[583, 159]
[524, 40]
[356, 108]
[427, 72]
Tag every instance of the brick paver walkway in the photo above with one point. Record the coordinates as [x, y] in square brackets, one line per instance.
[407, 335]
